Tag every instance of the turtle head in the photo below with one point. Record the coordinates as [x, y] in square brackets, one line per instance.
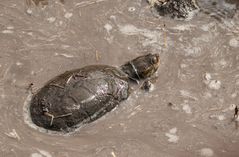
[142, 67]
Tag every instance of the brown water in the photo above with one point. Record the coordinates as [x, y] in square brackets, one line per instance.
[199, 77]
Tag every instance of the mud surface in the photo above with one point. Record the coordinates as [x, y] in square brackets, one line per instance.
[189, 111]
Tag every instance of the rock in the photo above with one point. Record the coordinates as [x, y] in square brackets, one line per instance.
[174, 8]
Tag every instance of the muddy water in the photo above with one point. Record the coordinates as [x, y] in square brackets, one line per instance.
[188, 113]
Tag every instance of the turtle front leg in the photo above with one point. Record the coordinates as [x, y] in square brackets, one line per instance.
[147, 85]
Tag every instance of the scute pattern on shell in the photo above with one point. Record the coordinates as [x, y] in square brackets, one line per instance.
[79, 96]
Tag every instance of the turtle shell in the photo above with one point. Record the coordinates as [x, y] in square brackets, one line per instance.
[79, 96]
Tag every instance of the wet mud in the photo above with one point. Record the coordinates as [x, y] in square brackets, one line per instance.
[188, 112]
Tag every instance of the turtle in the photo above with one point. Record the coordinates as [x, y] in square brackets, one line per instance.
[81, 96]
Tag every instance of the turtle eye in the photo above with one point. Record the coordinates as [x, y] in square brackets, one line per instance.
[154, 60]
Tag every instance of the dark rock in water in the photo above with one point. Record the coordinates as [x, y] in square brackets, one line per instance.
[174, 8]
[83, 95]
[218, 9]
